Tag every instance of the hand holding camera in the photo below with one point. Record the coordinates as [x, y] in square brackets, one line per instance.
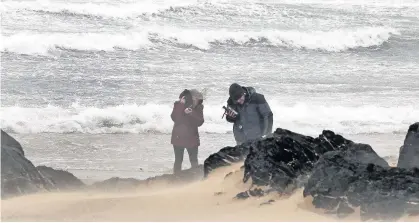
[183, 101]
[230, 111]
[190, 99]
[231, 114]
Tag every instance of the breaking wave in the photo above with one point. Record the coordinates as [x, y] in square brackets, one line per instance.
[123, 10]
[133, 9]
[332, 41]
[134, 118]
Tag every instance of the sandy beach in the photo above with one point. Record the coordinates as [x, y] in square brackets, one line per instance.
[89, 87]
[199, 201]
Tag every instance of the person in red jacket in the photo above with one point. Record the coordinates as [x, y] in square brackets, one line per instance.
[187, 116]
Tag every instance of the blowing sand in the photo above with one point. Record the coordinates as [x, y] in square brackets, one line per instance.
[161, 202]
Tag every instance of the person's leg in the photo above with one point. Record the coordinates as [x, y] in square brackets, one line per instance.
[177, 167]
[193, 157]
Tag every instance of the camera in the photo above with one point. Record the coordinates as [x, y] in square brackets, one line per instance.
[229, 109]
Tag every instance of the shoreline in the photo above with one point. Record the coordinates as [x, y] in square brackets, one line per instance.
[95, 157]
[220, 190]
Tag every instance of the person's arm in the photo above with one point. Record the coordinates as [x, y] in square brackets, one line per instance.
[230, 118]
[265, 114]
[178, 111]
[197, 115]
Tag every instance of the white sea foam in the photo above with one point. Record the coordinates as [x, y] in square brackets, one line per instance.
[34, 43]
[351, 3]
[120, 10]
[133, 118]
[334, 41]
[132, 9]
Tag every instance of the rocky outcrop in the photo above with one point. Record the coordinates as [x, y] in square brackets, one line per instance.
[355, 176]
[226, 156]
[257, 192]
[60, 179]
[9, 143]
[342, 180]
[340, 174]
[283, 161]
[18, 175]
[278, 160]
[409, 152]
[343, 175]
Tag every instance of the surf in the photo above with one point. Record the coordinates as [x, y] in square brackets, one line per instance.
[153, 36]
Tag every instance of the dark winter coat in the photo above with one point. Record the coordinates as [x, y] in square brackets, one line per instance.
[255, 117]
[185, 130]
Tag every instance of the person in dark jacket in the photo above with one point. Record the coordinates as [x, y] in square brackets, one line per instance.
[254, 119]
[187, 116]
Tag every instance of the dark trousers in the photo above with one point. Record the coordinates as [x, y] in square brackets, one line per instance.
[193, 158]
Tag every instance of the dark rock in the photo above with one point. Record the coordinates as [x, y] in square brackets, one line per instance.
[257, 192]
[283, 161]
[62, 180]
[344, 210]
[409, 152]
[280, 161]
[225, 157]
[229, 174]
[354, 177]
[313, 147]
[9, 143]
[277, 162]
[386, 193]
[329, 141]
[363, 153]
[242, 195]
[267, 202]
[18, 175]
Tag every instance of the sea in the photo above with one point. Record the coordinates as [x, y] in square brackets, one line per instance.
[88, 86]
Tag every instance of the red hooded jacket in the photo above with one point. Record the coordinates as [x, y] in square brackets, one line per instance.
[185, 130]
